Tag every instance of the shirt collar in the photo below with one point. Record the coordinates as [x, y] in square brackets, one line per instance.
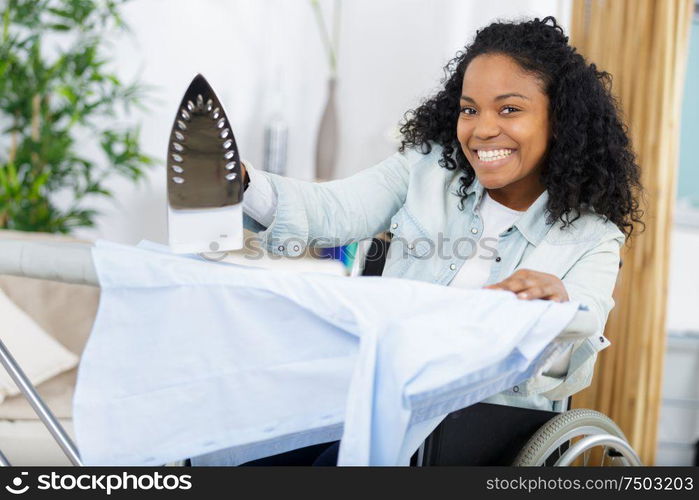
[532, 224]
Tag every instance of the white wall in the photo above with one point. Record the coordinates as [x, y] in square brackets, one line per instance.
[679, 415]
[391, 55]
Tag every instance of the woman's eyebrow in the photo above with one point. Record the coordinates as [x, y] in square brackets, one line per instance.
[513, 94]
[498, 98]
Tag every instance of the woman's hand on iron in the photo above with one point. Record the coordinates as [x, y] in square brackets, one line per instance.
[244, 175]
[530, 285]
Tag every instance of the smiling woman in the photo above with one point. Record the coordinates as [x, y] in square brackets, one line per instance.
[573, 139]
[524, 134]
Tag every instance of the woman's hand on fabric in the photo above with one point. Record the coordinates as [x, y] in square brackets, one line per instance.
[530, 285]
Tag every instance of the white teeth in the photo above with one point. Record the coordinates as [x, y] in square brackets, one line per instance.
[494, 154]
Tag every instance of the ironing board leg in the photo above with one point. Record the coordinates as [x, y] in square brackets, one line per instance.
[4, 462]
[40, 408]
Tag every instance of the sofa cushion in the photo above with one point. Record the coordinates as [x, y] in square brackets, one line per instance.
[39, 355]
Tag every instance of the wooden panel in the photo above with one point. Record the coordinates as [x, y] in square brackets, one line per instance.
[643, 44]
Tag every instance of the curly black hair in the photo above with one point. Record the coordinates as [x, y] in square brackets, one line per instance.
[589, 162]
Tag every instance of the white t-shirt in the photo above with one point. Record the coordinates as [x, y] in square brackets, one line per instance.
[475, 270]
[260, 200]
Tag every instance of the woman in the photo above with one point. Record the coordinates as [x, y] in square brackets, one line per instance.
[517, 175]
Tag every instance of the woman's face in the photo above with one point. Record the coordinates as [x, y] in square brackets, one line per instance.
[503, 128]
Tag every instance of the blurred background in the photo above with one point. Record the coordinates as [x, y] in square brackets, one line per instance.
[89, 90]
[268, 59]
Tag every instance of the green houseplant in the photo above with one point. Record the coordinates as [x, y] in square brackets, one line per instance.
[59, 113]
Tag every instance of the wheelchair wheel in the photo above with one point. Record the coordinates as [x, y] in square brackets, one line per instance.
[574, 438]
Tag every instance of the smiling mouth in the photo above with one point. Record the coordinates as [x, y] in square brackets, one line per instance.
[491, 155]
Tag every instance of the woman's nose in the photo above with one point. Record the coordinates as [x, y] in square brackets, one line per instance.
[486, 127]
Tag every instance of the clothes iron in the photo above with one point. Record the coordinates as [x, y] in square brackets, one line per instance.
[204, 181]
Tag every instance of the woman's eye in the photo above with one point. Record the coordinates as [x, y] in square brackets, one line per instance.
[509, 109]
[468, 111]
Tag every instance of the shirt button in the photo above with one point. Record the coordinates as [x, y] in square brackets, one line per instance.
[452, 266]
[474, 230]
[497, 259]
[296, 248]
[509, 229]
[281, 248]
[394, 225]
[601, 339]
[515, 388]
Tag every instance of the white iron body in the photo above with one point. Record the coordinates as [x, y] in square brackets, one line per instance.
[205, 229]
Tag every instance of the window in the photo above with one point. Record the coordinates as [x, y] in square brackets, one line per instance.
[688, 181]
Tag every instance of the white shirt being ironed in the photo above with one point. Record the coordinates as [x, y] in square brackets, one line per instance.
[187, 357]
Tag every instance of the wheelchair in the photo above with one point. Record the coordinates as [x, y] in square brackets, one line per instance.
[491, 434]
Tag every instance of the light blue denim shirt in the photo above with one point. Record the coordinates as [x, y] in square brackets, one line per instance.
[415, 199]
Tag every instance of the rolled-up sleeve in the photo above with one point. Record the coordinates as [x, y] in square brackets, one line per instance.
[332, 213]
[591, 282]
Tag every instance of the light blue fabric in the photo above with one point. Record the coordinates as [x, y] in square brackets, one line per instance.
[417, 200]
[187, 357]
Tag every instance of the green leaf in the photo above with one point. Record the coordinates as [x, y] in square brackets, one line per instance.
[60, 12]
[60, 27]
